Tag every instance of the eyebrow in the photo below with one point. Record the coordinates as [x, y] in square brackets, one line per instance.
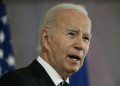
[89, 34]
[73, 30]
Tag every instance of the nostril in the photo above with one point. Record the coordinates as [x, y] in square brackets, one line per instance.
[79, 48]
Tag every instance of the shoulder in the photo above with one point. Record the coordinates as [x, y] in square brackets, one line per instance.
[12, 78]
[22, 77]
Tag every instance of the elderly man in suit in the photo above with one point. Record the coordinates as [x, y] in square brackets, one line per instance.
[65, 34]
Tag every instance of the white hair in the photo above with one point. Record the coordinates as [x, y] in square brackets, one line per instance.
[50, 19]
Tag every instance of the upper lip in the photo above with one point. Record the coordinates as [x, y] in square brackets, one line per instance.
[78, 57]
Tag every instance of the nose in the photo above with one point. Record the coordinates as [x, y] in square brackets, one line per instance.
[79, 44]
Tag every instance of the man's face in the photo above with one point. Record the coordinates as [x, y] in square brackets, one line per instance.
[70, 42]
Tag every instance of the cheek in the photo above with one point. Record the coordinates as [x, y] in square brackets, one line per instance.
[86, 48]
[81, 63]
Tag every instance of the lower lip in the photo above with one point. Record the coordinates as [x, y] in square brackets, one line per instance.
[75, 61]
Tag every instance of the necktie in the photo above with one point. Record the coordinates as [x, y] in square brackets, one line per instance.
[64, 84]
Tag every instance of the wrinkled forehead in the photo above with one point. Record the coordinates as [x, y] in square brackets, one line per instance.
[73, 18]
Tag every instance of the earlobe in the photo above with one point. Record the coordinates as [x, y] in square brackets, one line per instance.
[45, 38]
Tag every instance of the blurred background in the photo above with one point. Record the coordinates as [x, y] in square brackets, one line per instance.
[103, 58]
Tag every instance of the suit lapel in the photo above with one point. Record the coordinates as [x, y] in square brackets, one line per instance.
[44, 78]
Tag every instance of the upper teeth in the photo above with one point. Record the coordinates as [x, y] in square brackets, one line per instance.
[74, 59]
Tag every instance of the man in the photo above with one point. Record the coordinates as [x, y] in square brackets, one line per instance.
[64, 41]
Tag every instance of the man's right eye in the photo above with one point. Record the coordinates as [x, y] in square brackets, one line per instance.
[71, 34]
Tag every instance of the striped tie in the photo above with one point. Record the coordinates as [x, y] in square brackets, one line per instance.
[64, 84]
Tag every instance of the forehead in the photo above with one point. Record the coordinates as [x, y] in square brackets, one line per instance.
[72, 18]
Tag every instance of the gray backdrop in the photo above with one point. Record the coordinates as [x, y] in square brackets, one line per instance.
[103, 58]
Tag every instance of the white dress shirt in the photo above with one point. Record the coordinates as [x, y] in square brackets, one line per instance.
[51, 72]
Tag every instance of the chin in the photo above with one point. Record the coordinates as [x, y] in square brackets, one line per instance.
[72, 71]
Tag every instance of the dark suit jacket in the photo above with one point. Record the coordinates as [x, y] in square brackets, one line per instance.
[33, 75]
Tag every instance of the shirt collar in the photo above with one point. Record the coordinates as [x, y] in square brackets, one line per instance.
[51, 72]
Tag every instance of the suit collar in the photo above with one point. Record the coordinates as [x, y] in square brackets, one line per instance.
[38, 70]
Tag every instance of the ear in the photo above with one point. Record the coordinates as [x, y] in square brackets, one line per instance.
[45, 38]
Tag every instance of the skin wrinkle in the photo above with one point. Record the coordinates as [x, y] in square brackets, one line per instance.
[69, 17]
[61, 19]
[61, 44]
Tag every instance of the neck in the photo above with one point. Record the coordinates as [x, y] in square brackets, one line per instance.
[47, 57]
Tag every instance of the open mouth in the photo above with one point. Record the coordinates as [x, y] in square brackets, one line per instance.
[75, 58]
